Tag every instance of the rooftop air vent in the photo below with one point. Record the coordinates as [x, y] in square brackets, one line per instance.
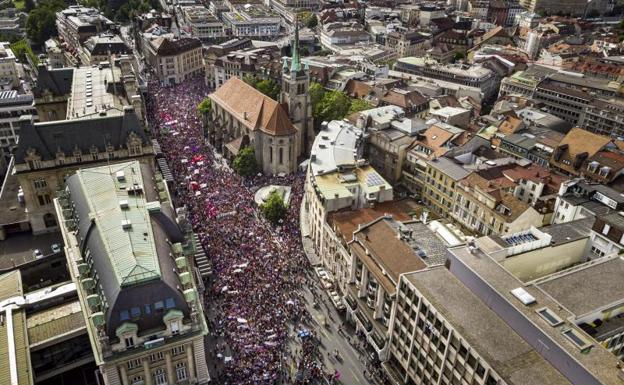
[126, 224]
[123, 204]
[121, 176]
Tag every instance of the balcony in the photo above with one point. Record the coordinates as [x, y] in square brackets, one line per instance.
[378, 341]
[351, 302]
[363, 320]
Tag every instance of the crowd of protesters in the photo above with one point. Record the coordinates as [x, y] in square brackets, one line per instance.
[258, 268]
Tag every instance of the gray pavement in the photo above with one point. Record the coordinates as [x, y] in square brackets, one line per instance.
[351, 364]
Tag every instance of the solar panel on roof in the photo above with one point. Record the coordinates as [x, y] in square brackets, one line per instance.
[374, 179]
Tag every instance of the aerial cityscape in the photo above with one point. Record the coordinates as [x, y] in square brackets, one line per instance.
[311, 192]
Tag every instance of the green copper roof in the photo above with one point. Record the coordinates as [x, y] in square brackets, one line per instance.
[126, 232]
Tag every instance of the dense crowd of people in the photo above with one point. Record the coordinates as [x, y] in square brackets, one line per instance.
[257, 268]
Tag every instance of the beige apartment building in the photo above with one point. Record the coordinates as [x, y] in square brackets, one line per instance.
[442, 175]
[174, 60]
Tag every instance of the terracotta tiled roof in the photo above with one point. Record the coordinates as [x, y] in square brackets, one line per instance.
[578, 141]
[357, 89]
[510, 125]
[347, 221]
[253, 108]
[167, 47]
[386, 253]
[407, 100]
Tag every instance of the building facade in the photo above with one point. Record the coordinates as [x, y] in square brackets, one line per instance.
[242, 116]
[12, 106]
[133, 275]
[174, 60]
[49, 152]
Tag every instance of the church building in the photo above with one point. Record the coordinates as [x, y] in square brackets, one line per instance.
[279, 132]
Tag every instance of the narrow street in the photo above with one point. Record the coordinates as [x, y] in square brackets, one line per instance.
[351, 362]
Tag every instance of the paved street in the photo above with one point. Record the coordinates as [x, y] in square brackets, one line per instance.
[350, 365]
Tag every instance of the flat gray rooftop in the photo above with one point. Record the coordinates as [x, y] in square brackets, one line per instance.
[510, 356]
[569, 231]
[598, 361]
[586, 288]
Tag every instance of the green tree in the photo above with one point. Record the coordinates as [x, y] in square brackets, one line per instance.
[41, 22]
[358, 105]
[245, 162]
[22, 49]
[205, 107]
[269, 87]
[333, 106]
[274, 208]
[310, 20]
[316, 92]
[323, 52]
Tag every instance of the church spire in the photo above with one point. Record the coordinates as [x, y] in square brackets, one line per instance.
[295, 63]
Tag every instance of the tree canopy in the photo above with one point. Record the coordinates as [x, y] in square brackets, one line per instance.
[41, 22]
[333, 105]
[309, 19]
[204, 107]
[274, 208]
[245, 162]
[269, 87]
[358, 105]
[21, 49]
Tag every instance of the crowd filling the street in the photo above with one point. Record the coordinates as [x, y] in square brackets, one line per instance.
[258, 268]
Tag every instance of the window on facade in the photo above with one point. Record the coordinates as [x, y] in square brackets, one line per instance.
[605, 229]
[270, 154]
[147, 309]
[40, 183]
[175, 327]
[281, 155]
[132, 364]
[135, 312]
[159, 377]
[177, 350]
[159, 306]
[129, 341]
[49, 220]
[169, 303]
[157, 356]
[137, 380]
[124, 315]
[181, 371]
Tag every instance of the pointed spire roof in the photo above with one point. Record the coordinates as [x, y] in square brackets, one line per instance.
[295, 63]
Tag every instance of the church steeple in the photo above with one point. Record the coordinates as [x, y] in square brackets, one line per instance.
[295, 62]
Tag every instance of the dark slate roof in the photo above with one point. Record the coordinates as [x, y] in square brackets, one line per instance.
[103, 45]
[49, 137]
[58, 81]
[168, 47]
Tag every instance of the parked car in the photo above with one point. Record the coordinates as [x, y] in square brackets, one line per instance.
[37, 254]
[336, 300]
[56, 248]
